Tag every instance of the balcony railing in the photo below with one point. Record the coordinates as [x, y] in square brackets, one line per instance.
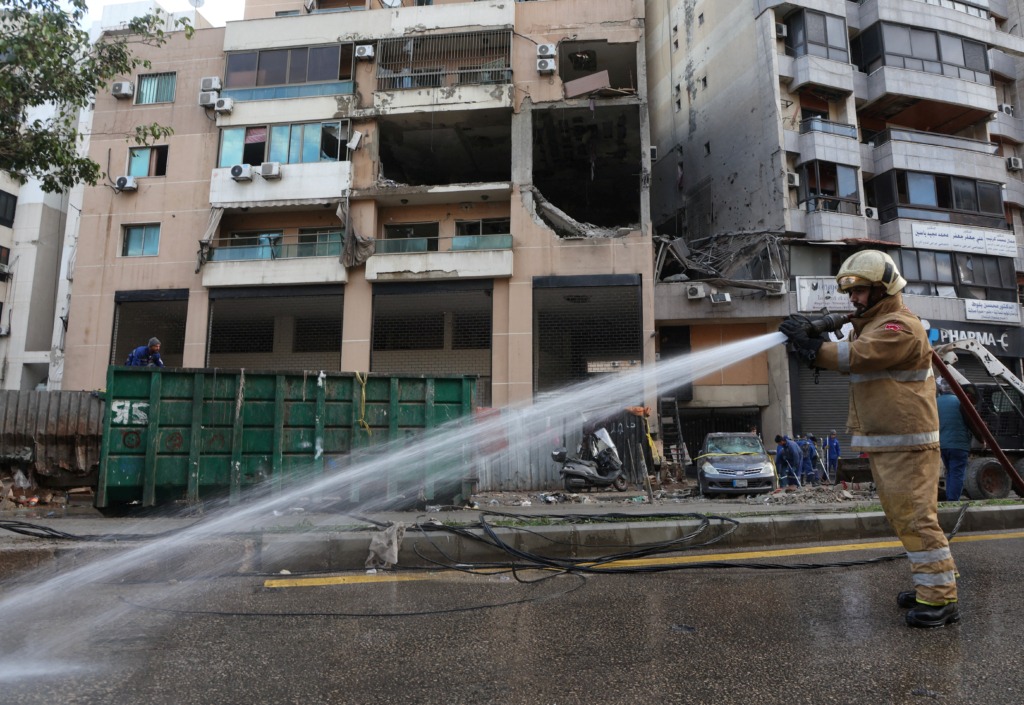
[459, 243]
[273, 249]
[433, 61]
[933, 139]
[816, 124]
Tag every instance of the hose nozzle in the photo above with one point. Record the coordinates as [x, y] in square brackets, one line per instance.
[828, 323]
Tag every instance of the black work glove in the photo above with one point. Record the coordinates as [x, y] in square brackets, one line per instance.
[801, 343]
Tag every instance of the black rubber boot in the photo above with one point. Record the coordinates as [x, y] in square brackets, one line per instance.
[927, 616]
[907, 599]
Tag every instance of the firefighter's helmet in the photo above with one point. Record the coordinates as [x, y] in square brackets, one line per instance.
[870, 267]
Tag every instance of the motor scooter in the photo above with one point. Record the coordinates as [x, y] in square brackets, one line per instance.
[597, 463]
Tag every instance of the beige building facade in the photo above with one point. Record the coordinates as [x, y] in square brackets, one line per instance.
[432, 188]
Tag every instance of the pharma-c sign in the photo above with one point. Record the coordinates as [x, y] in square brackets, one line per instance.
[1000, 341]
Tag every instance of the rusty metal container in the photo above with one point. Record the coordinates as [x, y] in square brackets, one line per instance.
[55, 436]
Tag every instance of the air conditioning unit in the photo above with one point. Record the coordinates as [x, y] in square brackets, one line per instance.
[871, 213]
[792, 179]
[721, 298]
[5, 268]
[775, 288]
[781, 31]
[1005, 108]
[208, 99]
[223, 105]
[5, 331]
[270, 170]
[364, 52]
[1014, 163]
[545, 65]
[123, 89]
[241, 172]
[126, 183]
[546, 51]
[210, 83]
[696, 290]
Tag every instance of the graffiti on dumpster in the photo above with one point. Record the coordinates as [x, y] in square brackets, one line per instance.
[129, 413]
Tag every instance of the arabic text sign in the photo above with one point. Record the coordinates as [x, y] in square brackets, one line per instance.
[816, 293]
[954, 238]
[1001, 311]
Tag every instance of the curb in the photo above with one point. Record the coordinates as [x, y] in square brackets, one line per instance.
[274, 552]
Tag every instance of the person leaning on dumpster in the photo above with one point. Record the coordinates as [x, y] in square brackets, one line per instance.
[147, 355]
[892, 417]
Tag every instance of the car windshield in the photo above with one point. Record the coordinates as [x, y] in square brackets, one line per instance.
[735, 444]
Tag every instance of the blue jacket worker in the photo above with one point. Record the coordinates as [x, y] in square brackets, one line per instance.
[809, 462]
[146, 355]
[954, 440]
[788, 458]
[832, 452]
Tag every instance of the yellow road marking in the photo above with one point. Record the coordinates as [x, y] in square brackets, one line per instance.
[664, 560]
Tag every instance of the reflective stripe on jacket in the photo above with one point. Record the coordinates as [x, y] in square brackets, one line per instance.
[892, 390]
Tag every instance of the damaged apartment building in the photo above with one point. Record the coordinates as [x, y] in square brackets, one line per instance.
[792, 134]
[391, 186]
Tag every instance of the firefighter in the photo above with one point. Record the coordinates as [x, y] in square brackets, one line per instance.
[893, 418]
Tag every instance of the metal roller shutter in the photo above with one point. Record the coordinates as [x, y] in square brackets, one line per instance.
[819, 408]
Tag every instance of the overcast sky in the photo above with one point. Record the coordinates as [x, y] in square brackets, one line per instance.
[216, 11]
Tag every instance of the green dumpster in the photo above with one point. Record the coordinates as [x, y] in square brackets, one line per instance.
[194, 434]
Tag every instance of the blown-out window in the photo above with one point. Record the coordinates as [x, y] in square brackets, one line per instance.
[288, 144]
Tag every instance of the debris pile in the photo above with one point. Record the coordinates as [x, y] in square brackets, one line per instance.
[820, 494]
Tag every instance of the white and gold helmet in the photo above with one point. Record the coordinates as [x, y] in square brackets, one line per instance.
[870, 267]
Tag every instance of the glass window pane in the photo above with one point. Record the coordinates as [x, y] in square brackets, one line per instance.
[990, 197]
[241, 70]
[910, 269]
[1008, 277]
[273, 68]
[923, 44]
[311, 143]
[817, 50]
[324, 63]
[974, 56]
[836, 28]
[797, 35]
[847, 179]
[165, 88]
[232, 142]
[943, 191]
[151, 240]
[921, 189]
[991, 271]
[965, 198]
[138, 161]
[943, 267]
[297, 65]
[839, 55]
[132, 242]
[927, 262]
[279, 137]
[816, 28]
[295, 145]
[952, 49]
[897, 39]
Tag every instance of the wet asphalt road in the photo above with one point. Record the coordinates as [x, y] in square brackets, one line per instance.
[830, 635]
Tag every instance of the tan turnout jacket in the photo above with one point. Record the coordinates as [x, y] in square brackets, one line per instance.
[892, 390]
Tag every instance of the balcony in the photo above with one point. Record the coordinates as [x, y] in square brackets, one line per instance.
[828, 141]
[309, 184]
[833, 78]
[1005, 127]
[920, 98]
[459, 257]
[937, 153]
[274, 261]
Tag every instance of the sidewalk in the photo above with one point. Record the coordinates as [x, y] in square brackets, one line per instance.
[301, 539]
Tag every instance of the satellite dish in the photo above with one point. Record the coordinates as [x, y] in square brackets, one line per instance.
[196, 3]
